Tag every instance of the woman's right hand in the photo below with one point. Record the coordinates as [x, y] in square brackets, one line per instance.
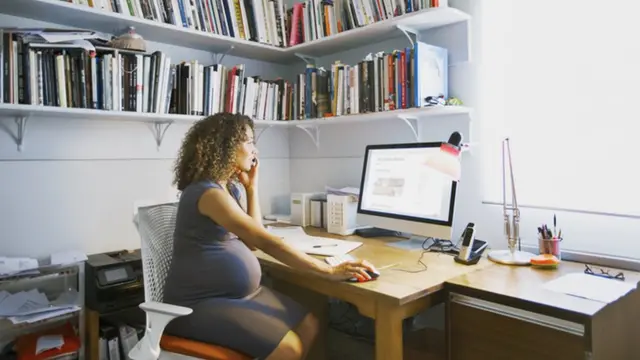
[351, 269]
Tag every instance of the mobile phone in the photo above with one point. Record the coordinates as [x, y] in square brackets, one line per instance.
[468, 235]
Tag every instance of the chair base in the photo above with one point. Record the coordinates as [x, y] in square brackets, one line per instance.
[186, 349]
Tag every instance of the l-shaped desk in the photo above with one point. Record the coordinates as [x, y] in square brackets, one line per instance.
[406, 289]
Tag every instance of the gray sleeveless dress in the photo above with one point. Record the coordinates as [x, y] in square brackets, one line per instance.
[216, 274]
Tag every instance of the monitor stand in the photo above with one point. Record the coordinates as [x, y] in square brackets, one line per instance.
[370, 232]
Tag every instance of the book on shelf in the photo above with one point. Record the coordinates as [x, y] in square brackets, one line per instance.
[265, 21]
[70, 76]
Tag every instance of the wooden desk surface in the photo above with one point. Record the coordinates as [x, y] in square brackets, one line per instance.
[399, 287]
[523, 284]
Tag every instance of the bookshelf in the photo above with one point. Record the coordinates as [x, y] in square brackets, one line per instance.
[84, 17]
[411, 117]
[159, 123]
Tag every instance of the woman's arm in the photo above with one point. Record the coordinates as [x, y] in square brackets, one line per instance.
[253, 204]
[218, 205]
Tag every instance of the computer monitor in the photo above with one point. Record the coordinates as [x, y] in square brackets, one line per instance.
[399, 192]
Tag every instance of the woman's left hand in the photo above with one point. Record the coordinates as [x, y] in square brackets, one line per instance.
[250, 179]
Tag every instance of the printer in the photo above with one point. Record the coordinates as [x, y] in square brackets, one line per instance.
[114, 281]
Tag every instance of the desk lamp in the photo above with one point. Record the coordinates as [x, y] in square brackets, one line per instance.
[449, 164]
[511, 223]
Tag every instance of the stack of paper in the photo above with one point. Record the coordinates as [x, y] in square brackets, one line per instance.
[590, 287]
[31, 306]
[315, 245]
[21, 266]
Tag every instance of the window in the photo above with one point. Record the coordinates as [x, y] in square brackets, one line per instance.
[562, 80]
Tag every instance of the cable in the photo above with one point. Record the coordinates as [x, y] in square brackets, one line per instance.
[440, 246]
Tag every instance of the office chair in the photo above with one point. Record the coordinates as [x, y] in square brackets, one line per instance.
[155, 224]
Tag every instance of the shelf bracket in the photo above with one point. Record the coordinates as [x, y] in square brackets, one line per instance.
[21, 128]
[407, 32]
[310, 60]
[261, 131]
[219, 60]
[159, 129]
[314, 133]
[412, 122]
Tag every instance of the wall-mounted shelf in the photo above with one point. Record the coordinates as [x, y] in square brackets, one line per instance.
[158, 123]
[85, 17]
[379, 31]
[410, 117]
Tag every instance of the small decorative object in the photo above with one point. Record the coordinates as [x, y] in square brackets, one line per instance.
[129, 41]
[454, 101]
[435, 100]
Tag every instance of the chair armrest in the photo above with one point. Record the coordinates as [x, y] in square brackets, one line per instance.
[158, 316]
[166, 309]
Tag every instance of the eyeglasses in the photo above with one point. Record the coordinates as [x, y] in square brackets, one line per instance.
[603, 273]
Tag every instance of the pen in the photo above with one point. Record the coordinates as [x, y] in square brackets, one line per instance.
[321, 246]
[554, 224]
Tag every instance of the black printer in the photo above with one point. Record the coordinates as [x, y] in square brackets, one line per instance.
[114, 281]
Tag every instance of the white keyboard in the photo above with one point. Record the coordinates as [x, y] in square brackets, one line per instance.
[339, 259]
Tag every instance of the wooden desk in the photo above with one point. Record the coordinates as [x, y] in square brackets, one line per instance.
[394, 296]
[502, 312]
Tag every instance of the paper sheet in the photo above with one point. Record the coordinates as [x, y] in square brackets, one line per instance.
[315, 245]
[590, 287]
[48, 342]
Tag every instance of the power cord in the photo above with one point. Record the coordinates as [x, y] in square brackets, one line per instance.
[440, 246]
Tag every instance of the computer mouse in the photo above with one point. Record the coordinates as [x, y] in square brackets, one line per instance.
[374, 275]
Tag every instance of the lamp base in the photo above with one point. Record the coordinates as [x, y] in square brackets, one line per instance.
[506, 257]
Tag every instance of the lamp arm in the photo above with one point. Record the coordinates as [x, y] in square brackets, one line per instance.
[515, 208]
[511, 223]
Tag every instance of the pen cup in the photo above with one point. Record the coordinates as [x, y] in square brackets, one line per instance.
[550, 246]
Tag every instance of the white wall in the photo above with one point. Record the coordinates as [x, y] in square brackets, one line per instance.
[74, 183]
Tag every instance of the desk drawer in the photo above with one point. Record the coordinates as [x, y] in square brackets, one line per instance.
[482, 330]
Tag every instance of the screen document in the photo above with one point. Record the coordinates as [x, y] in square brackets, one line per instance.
[398, 181]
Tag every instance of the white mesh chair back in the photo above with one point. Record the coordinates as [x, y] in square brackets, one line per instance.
[156, 224]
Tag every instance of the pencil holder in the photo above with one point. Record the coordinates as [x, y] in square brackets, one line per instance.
[550, 246]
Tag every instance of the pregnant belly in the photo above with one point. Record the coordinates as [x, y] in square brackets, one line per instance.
[226, 269]
[238, 270]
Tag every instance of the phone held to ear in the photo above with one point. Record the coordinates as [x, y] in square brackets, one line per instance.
[467, 255]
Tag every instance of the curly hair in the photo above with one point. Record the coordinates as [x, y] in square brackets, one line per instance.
[209, 148]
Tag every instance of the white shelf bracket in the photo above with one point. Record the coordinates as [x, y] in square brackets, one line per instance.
[218, 58]
[314, 133]
[310, 60]
[159, 129]
[407, 32]
[261, 131]
[412, 122]
[21, 128]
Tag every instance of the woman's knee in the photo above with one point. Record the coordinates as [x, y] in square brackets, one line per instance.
[289, 348]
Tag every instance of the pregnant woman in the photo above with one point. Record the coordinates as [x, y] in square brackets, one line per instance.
[214, 270]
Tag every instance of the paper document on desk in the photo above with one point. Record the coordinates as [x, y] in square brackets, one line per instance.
[314, 245]
[590, 287]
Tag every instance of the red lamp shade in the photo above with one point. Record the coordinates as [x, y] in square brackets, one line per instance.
[447, 161]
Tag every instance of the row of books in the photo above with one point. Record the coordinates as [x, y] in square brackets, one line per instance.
[120, 80]
[265, 21]
[385, 81]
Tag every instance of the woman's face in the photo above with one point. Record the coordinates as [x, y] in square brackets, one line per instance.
[247, 151]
